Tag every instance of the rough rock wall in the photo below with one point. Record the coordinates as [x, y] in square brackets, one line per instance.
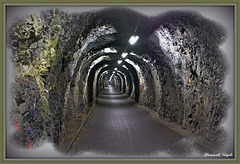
[147, 89]
[42, 46]
[34, 42]
[48, 51]
[192, 45]
[26, 113]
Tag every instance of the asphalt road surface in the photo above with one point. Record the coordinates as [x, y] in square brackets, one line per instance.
[117, 127]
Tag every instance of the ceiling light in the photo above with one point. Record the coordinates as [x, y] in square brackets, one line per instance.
[131, 53]
[125, 67]
[133, 39]
[110, 50]
[111, 77]
[119, 61]
[124, 54]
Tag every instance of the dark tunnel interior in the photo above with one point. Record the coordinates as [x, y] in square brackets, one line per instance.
[170, 64]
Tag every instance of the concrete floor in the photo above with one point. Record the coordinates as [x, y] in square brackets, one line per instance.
[117, 127]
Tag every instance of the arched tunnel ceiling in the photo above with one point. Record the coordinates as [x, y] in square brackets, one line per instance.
[134, 24]
[112, 64]
[175, 68]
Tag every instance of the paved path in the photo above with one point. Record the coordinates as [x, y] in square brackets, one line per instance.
[116, 126]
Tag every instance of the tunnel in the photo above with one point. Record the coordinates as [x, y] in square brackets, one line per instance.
[66, 64]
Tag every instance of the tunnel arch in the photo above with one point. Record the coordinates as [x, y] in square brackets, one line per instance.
[115, 81]
[100, 84]
[127, 75]
[98, 65]
[139, 60]
[122, 74]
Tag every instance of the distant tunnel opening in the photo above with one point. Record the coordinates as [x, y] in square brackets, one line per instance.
[112, 67]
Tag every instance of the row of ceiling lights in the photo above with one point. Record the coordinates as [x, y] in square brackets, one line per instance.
[133, 39]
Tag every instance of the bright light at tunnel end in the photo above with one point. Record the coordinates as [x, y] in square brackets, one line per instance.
[133, 39]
